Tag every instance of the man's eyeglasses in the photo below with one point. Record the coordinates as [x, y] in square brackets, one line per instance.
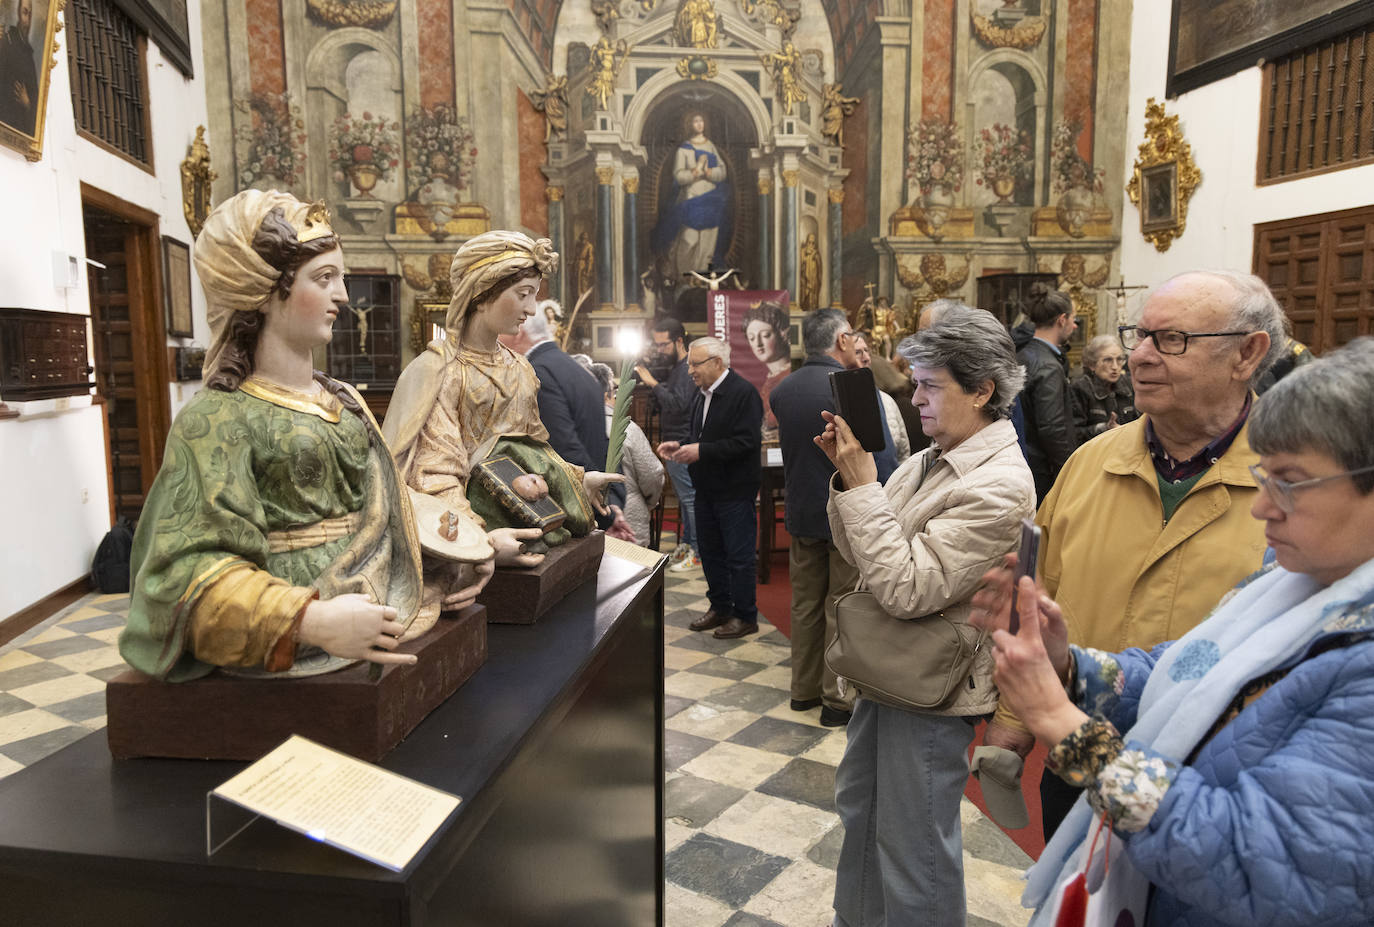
[1281, 491]
[1167, 340]
[701, 363]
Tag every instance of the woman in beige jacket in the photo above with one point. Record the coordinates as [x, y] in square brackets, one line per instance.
[921, 545]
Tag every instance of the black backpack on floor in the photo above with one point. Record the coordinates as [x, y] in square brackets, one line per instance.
[110, 569]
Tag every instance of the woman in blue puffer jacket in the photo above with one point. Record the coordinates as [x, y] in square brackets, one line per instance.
[1242, 789]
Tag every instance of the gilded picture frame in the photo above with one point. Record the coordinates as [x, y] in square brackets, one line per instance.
[1163, 179]
[176, 286]
[28, 53]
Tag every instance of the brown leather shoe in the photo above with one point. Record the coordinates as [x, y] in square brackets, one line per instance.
[712, 619]
[736, 628]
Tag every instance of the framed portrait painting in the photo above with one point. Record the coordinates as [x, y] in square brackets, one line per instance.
[1212, 39]
[176, 277]
[1159, 196]
[27, 47]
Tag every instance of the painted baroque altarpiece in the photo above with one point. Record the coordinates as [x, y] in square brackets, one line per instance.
[915, 145]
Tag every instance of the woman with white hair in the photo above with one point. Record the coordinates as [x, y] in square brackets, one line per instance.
[921, 544]
[277, 538]
[1101, 396]
[467, 391]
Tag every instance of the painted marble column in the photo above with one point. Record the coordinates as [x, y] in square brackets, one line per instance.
[836, 197]
[631, 245]
[555, 195]
[765, 271]
[788, 239]
[605, 236]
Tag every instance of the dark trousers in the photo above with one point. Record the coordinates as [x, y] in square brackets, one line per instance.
[725, 540]
[1056, 799]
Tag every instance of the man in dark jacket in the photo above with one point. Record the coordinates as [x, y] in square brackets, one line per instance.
[571, 404]
[674, 395]
[1045, 402]
[817, 572]
[722, 454]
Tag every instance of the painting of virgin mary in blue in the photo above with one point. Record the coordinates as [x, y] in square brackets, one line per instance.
[693, 233]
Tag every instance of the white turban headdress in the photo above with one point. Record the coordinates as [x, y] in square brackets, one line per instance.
[235, 277]
[483, 261]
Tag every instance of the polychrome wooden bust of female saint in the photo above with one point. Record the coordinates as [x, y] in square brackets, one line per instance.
[467, 392]
[277, 537]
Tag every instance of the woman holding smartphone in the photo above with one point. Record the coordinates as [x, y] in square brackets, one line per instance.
[921, 544]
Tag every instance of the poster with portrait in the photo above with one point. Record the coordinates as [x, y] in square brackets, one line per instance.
[756, 325]
[27, 29]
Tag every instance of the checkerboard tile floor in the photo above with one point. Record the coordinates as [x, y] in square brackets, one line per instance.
[52, 679]
[752, 837]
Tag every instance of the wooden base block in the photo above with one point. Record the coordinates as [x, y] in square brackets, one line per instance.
[226, 718]
[520, 596]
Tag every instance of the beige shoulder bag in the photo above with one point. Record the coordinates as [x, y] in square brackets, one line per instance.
[917, 664]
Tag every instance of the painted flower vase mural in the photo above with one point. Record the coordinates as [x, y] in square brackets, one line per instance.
[1074, 182]
[440, 153]
[270, 142]
[364, 150]
[439, 149]
[935, 163]
[1003, 155]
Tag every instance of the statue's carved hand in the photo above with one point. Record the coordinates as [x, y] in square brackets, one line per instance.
[462, 598]
[354, 627]
[510, 546]
[596, 483]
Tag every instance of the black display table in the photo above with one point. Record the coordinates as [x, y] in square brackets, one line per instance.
[555, 746]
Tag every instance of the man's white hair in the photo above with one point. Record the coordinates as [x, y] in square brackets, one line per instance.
[536, 327]
[713, 347]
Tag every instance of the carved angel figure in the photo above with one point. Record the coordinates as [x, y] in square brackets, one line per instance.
[774, 13]
[785, 66]
[697, 24]
[607, 60]
[834, 107]
[552, 101]
[606, 13]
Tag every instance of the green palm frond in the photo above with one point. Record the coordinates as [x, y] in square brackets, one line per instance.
[620, 418]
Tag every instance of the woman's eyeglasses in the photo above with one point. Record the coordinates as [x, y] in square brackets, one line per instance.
[1282, 491]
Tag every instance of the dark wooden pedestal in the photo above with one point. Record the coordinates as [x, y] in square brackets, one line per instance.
[555, 746]
[227, 718]
[520, 596]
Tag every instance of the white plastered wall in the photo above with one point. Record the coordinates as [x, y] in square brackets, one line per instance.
[1221, 122]
[53, 468]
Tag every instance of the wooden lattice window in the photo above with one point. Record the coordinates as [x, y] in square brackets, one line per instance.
[1317, 111]
[109, 90]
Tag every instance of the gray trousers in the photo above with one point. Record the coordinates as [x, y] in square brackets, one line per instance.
[818, 574]
[897, 793]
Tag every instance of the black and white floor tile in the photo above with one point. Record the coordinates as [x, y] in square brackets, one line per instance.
[752, 837]
[751, 834]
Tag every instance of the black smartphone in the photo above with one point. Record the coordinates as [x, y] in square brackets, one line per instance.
[1027, 559]
[856, 401]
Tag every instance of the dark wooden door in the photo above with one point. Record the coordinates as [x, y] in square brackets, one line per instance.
[107, 242]
[1321, 270]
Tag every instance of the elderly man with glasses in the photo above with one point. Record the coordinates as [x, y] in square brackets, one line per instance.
[1149, 524]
